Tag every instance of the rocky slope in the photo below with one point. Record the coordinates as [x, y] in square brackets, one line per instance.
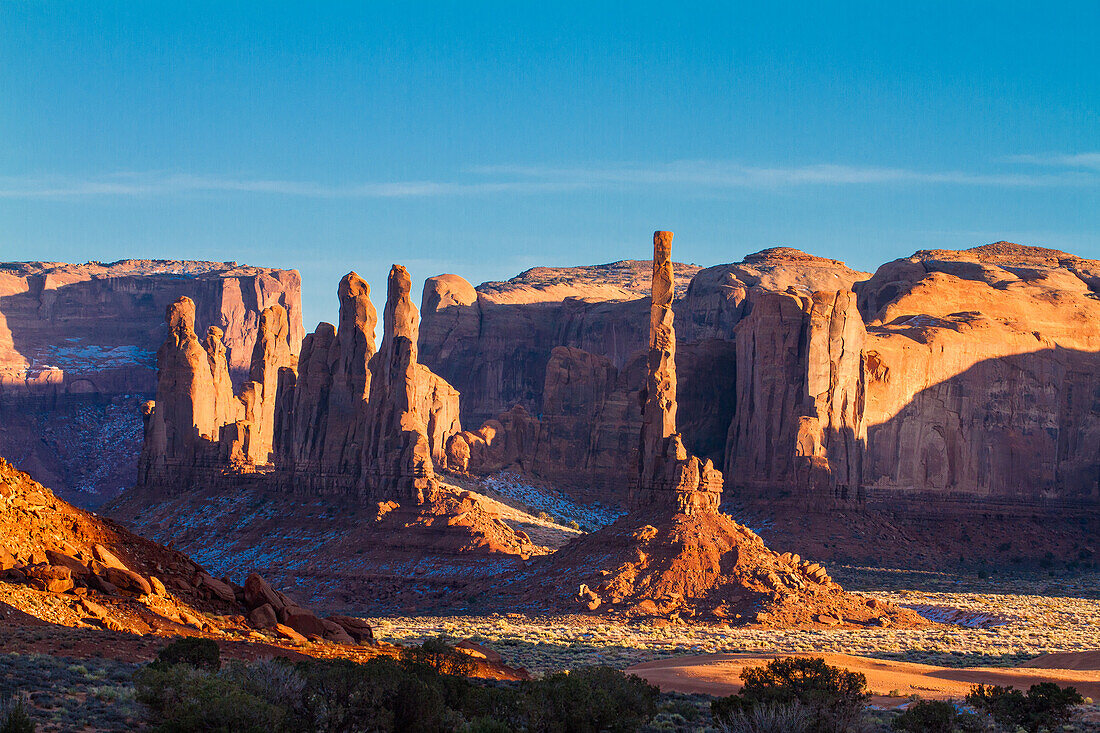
[78, 586]
[78, 352]
[71, 568]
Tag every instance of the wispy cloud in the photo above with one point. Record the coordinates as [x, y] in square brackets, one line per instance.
[698, 175]
[157, 184]
[1089, 161]
[715, 174]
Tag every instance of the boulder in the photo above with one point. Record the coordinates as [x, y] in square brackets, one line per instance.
[303, 621]
[288, 633]
[108, 558]
[215, 588]
[257, 592]
[78, 568]
[93, 609]
[335, 633]
[50, 578]
[7, 560]
[129, 581]
[357, 628]
[158, 586]
[263, 617]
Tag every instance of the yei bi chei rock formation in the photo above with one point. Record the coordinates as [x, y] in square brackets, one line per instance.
[365, 423]
[350, 421]
[197, 426]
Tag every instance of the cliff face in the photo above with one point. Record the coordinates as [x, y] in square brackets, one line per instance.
[589, 404]
[78, 348]
[984, 374]
[970, 374]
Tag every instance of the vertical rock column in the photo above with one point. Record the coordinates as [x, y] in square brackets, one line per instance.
[397, 455]
[256, 431]
[669, 478]
[182, 426]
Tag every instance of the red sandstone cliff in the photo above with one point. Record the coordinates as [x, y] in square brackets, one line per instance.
[951, 374]
[78, 353]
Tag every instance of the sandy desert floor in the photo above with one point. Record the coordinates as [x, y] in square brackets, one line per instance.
[999, 621]
[889, 682]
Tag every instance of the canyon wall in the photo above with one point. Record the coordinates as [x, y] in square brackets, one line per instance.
[984, 375]
[78, 348]
[961, 376]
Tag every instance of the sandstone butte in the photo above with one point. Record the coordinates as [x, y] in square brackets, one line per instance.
[78, 350]
[366, 428]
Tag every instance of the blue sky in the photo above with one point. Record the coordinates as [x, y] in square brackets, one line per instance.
[485, 138]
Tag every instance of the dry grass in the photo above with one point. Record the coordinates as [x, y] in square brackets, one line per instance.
[1036, 614]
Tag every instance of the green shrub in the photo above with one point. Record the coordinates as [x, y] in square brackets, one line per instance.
[589, 701]
[1045, 705]
[411, 695]
[193, 651]
[834, 698]
[14, 717]
[184, 698]
[440, 656]
[486, 725]
[928, 716]
[339, 693]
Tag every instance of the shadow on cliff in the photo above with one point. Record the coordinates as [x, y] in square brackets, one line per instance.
[998, 465]
[107, 330]
[1015, 428]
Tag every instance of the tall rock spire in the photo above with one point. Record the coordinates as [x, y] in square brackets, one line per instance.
[397, 453]
[659, 411]
[668, 477]
[359, 422]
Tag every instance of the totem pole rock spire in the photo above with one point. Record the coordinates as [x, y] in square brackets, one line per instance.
[668, 478]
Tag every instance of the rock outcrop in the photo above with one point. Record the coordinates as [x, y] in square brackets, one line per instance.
[983, 376]
[588, 407]
[799, 423]
[78, 348]
[196, 427]
[355, 421]
[955, 377]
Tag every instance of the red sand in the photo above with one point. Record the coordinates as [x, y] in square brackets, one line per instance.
[889, 682]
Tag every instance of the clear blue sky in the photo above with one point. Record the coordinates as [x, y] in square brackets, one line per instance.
[485, 138]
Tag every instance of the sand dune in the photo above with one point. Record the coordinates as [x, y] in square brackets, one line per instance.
[888, 681]
[1065, 660]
